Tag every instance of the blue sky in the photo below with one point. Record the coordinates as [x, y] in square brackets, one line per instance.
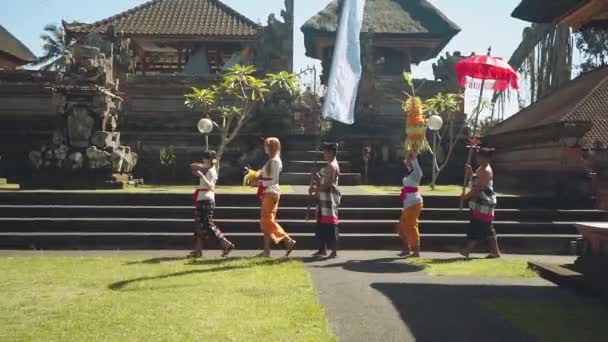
[484, 23]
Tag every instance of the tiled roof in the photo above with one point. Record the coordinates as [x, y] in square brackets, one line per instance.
[393, 18]
[545, 11]
[176, 18]
[584, 99]
[12, 46]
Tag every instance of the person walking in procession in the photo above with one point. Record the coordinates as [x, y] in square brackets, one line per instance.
[482, 202]
[325, 188]
[204, 199]
[411, 199]
[269, 193]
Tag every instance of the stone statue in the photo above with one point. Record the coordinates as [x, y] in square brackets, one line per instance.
[274, 46]
[444, 70]
[90, 139]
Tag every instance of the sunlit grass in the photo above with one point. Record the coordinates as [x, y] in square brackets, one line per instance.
[572, 320]
[127, 299]
[440, 190]
[475, 267]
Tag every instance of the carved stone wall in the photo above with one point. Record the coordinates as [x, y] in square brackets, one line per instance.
[274, 46]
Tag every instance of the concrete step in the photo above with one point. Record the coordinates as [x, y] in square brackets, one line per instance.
[303, 178]
[525, 244]
[173, 225]
[3, 181]
[120, 198]
[312, 155]
[306, 166]
[186, 212]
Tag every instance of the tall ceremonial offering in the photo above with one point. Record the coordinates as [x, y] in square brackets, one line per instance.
[346, 65]
[415, 123]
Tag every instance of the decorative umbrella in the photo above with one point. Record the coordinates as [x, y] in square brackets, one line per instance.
[473, 73]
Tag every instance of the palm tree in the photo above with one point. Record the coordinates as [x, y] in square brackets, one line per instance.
[55, 46]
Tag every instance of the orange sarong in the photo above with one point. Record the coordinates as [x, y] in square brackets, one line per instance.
[268, 214]
[408, 224]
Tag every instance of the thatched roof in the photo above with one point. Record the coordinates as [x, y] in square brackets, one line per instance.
[13, 47]
[396, 18]
[182, 18]
[584, 99]
[545, 11]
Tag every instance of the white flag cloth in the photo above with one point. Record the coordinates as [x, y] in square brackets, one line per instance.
[346, 68]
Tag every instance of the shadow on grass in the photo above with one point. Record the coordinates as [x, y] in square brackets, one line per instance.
[120, 285]
[155, 261]
[379, 266]
[448, 261]
[445, 312]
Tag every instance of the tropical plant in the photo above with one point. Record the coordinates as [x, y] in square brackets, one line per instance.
[167, 157]
[544, 60]
[55, 45]
[446, 105]
[593, 44]
[232, 103]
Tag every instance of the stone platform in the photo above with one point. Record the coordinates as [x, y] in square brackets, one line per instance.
[122, 220]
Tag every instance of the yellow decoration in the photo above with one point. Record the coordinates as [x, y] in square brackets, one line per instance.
[415, 124]
[251, 177]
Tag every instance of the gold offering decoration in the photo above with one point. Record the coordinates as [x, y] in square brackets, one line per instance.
[251, 177]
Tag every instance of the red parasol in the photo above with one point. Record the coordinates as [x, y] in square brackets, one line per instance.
[473, 72]
[472, 69]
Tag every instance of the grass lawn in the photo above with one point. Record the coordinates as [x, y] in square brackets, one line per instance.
[425, 190]
[129, 299]
[475, 267]
[220, 189]
[440, 190]
[573, 320]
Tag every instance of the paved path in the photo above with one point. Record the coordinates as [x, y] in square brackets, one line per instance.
[374, 296]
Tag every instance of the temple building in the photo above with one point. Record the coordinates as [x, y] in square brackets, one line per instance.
[576, 13]
[190, 37]
[558, 145]
[396, 34]
[13, 53]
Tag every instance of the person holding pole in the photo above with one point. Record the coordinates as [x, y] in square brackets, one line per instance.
[482, 202]
[329, 197]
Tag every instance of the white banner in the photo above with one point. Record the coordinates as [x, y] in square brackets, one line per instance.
[346, 68]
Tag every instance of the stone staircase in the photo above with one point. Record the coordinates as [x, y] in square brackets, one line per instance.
[89, 220]
[299, 163]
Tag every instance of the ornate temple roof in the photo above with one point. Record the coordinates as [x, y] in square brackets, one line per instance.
[413, 19]
[570, 12]
[15, 48]
[584, 99]
[176, 18]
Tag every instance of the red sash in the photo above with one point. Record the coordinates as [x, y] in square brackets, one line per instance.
[261, 187]
[407, 190]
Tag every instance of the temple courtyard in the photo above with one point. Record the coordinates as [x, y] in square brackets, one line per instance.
[360, 296]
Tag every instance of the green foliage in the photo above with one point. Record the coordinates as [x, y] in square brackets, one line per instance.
[407, 77]
[593, 43]
[286, 81]
[230, 103]
[167, 157]
[202, 97]
[444, 103]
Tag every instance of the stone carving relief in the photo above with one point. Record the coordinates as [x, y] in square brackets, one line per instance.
[89, 139]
